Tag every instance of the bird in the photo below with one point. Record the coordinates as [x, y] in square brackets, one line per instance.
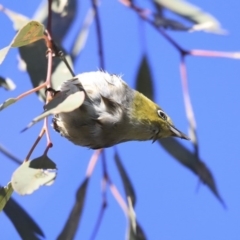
[111, 113]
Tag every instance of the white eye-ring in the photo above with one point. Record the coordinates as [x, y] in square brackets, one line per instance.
[161, 114]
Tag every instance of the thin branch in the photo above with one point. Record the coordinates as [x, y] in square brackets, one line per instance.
[92, 162]
[142, 13]
[49, 22]
[188, 104]
[49, 145]
[99, 34]
[206, 53]
[118, 197]
[43, 85]
[45, 127]
[34, 145]
[9, 155]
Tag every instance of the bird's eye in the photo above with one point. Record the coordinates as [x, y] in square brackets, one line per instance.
[162, 115]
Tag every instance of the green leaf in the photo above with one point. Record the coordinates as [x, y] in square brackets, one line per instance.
[204, 20]
[31, 32]
[26, 227]
[137, 234]
[62, 102]
[62, 17]
[7, 83]
[25, 179]
[17, 19]
[72, 223]
[181, 153]
[129, 190]
[191, 161]
[5, 194]
[7, 103]
[3, 53]
[82, 35]
[43, 162]
[144, 82]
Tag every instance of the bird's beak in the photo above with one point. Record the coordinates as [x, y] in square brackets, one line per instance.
[177, 133]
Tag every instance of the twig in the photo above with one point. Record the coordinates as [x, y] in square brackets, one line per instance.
[188, 104]
[35, 144]
[99, 34]
[31, 91]
[49, 145]
[104, 197]
[118, 197]
[92, 162]
[49, 22]
[206, 53]
[45, 127]
[9, 155]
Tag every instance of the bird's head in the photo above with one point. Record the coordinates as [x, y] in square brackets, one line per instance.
[148, 114]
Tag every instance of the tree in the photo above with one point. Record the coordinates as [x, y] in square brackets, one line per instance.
[132, 44]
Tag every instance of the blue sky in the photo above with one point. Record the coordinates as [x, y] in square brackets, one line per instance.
[171, 204]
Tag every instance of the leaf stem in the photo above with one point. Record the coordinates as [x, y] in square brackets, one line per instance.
[99, 34]
[34, 145]
[92, 162]
[31, 91]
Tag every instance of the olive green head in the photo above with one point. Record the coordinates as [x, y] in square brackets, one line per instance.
[151, 117]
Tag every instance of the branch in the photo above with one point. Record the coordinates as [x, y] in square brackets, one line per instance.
[99, 34]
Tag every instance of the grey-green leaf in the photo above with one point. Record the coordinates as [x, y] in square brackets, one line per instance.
[72, 223]
[191, 161]
[63, 15]
[43, 162]
[144, 82]
[26, 180]
[82, 35]
[7, 103]
[129, 190]
[26, 227]
[5, 194]
[204, 20]
[62, 102]
[136, 235]
[17, 19]
[31, 32]
[7, 83]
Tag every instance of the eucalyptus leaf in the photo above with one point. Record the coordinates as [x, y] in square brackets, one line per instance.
[42, 162]
[31, 32]
[7, 103]
[25, 179]
[129, 190]
[25, 225]
[72, 224]
[63, 15]
[5, 194]
[191, 161]
[3, 53]
[144, 82]
[62, 102]
[7, 83]
[203, 20]
[82, 35]
[17, 19]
